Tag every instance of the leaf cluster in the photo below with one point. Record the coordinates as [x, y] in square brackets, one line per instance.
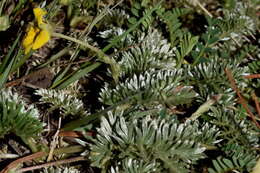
[155, 144]
[65, 102]
[16, 118]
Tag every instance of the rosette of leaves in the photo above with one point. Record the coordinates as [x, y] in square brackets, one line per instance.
[110, 34]
[240, 141]
[242, 18]
[69, 104]
[16, 118]
[237, 158]
[114, 18]
[148, 89]
[235, 127]
[149, 144]
[150, 52]
[209, 78]
[148, 75]
[234, 157]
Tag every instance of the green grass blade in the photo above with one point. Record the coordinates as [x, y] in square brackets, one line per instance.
[4, 76]
[55, 57]
[6, 59]
[77, 75]
[60, 78]
[21, 59]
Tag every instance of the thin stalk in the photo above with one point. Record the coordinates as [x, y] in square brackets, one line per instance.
[54, 57]
[35, 156]
[2, 6]
[95, 49]
[198, 57]
[6, 59]
[21, 59]
[31, 143]
[77, 75]
[204, 9]
[60, 78]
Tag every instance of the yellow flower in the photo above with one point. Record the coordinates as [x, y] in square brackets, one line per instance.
[28, 40]
[39, 15]
[37, 35]
[42, 38]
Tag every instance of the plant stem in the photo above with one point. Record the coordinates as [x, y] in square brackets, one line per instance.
[55, 163]
[31, 143]
[2, 6]
[61, 53]
[204, 9]
[98, 51]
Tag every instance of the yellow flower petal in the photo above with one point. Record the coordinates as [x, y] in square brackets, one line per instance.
[42, 38]
[28, 40]
[37, 35]
[39, 15]
[27, 49]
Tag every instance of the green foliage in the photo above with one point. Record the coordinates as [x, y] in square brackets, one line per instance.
[116, 18]
[148, 75]
[205, 48]
[146, 51]
[138, 11]
[5, 68]
[223, 165]
[151, 52]
[149, 79]
[231, 28]
[77, 7]
[4, 22]
[235, 127]
[170, 103]
[229, 4]
[71, 78]
[173, 23]
[110, 34]
[15, 118]
[254, 68]
[231, 24]
[241, 19]
[186, 45]
[155, 144]
[68, 103]
[209, 78]
[145, 88]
